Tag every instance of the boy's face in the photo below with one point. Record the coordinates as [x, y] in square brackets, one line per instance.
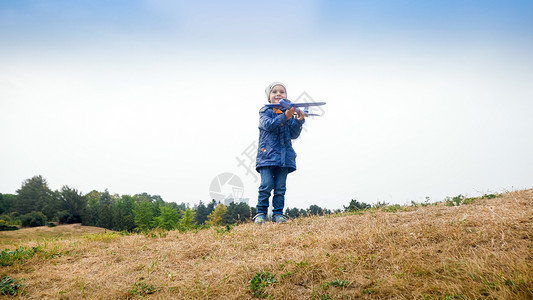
[277, 93]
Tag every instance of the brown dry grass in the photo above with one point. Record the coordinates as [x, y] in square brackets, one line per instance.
[45, 233]
[478, 251]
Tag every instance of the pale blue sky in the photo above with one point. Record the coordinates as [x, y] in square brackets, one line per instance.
[425, 98]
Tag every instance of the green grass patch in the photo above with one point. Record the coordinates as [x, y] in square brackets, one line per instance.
[142, 289]
[102, 236]
[339, 283]
[11, 257]
[392, 208]
[259, 282]
[462, 200]
[9, 286]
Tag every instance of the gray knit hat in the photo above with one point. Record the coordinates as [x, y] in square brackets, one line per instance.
[271, 86]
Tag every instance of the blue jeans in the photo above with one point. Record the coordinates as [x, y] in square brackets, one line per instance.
[272, 178]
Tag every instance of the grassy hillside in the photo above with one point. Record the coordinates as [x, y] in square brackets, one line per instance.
[483, 250]
[35, 234]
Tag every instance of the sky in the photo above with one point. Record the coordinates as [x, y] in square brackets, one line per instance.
[424, 98]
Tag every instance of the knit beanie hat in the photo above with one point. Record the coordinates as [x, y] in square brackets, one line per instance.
[271, 86]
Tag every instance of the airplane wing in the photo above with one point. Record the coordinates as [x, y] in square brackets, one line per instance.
[299, 104]
[274, 105]
[284, 104]
[307, 104]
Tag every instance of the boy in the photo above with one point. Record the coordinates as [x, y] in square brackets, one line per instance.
[275, 156]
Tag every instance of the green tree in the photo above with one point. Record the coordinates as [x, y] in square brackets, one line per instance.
[34, 195]
[74, 203]
[123, 213]
[187, 219]
[179, 207]
[215, 218]
[93, 208]
[52, 205]
[105, 216]
[105, 198]
[211, 206]
[315, 210]
[105, 212]
[142, 197]
[237, 212]
[143, 215]
[292, 213]
[155, 200]
[3, 206]
[303, 212]
[6, 202]
[168, 218]
[201, 213]
[356, 205]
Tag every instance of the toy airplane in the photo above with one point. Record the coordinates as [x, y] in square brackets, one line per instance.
[288, 105]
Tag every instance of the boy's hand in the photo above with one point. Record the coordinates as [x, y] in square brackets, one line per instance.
[289, 113]
[301, 115]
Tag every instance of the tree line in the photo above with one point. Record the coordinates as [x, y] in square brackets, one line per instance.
[35, 204]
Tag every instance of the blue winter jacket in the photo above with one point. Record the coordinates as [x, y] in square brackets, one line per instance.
[275, 134]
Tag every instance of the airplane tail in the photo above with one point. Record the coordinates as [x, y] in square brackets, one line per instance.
[306, 112]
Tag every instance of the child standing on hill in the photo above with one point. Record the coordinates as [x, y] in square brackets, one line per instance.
[275, 156]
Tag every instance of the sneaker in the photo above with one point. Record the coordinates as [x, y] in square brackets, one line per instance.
[279, 219]
[260, 219]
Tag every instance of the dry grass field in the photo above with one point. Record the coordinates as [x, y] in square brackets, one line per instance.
[482, 250]
[21, 236]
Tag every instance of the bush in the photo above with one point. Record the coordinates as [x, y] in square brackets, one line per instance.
[65, 217]
[5, 219]
[33, 219]
[5, 227]
[491, 196]
[356, 205]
